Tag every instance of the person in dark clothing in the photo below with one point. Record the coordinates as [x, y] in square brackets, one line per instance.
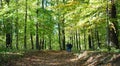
[69, 47]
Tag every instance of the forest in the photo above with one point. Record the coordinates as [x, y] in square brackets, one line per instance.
[36, 32]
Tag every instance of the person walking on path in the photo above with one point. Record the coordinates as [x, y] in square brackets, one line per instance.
[69, 47]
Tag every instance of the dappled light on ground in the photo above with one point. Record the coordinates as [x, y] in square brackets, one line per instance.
[47, 58]
[63, 58]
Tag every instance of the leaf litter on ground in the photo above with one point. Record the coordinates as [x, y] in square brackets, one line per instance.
[63, 58]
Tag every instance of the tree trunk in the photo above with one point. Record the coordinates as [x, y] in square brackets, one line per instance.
[50, 47]
[17, 25]
[89, 41]
[113, 27]
[45, 44]
[63, 30]
[59, 36]
[77, 39]
[114, 33]
[31, 37]
[9, 35]
[108, 30]
[72, 38]
[43, 4]
[42, 43]
[8, 32]
[25, 28]
[8, 40]
[85, 47]
[37, 36]
[63, 34]
[59, 30]
[74, 43]
[63, 38]
[92, 39]
[97, 38]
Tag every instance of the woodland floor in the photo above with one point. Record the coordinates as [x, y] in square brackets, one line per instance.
[60, 58]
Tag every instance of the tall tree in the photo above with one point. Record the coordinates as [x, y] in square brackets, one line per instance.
[97, 37]
[77, 39]
[63, 34]
[59, 35]
[8, 29]
[16, 23]
[113, 27]
[59, 29]
[25, 26]
[115, 23]
[63, 30]
[31, 33]
[89, 40]
[108, 30]
[37, 27]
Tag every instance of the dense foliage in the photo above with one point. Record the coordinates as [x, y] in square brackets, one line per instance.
[50, 24]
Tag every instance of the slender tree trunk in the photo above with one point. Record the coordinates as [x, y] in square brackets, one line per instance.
[43, 4]
[92, 39]
[108, 30]
[8, 40]
[77, 39]
[9, 35]
[8, 31]
[42, 42]
[31, 37]
[50, 47]
[25, 27]
[89, 41]
[74, 43]
[45, 44]
[11, 32]
[63, 30]
[17, 25]
[97, 38]
[37, 36]
[59, 30]
[85, 40]
[63, 36]
[59, 36]
[72, 38]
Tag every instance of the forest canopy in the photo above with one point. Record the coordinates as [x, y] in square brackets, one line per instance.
[51, 24]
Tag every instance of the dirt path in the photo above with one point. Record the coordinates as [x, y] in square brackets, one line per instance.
[63, 58]
[47, 58]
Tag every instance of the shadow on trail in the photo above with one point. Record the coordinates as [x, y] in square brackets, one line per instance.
[60, 58]
[47, 58]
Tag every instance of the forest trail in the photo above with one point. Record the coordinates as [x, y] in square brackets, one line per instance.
[47, 58]
[63, 58]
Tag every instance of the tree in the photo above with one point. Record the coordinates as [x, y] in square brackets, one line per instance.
[114, 33]
[8, 27]
[25, 26]
[37, 24]
[17, 36]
